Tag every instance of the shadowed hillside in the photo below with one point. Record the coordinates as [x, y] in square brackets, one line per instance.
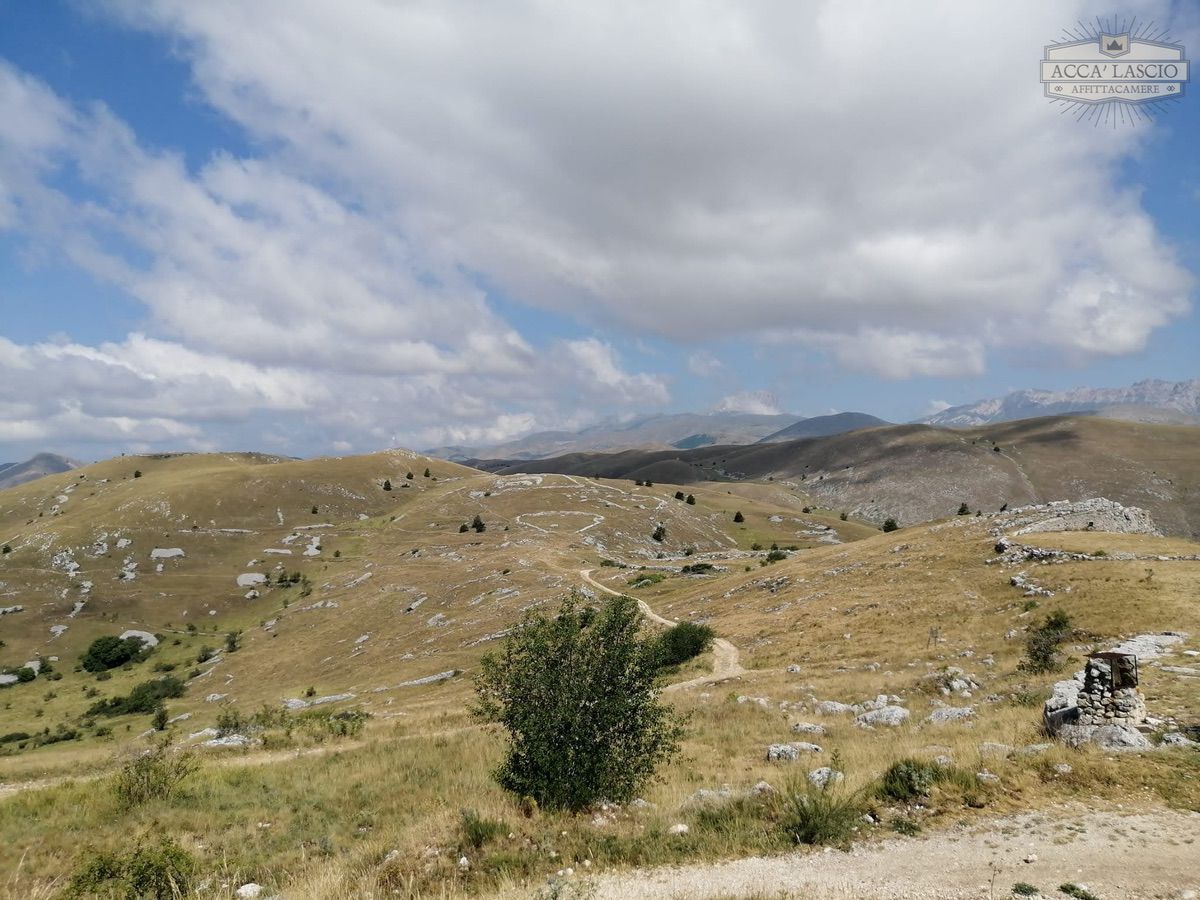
[917, 472]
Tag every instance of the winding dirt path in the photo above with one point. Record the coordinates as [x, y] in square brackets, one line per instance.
[726, 657]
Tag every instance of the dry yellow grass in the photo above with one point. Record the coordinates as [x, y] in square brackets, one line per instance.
[855, 617]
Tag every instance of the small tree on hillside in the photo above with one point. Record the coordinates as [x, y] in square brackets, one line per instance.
[576, 694]
[679, 495]
[387, 484]
[889, 524]
[691, 500]
[738, 517]
[964, 510]
[660, 533]
[427, 473]
[409, 476]
[464, 528]
[477, 524]
[314, 509]
[137, 473]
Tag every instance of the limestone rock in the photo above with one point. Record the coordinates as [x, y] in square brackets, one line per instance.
[887, 716]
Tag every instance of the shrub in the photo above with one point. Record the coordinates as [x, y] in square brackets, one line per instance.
[774, 556]
[205, 654]
[964, 510]
[229, 720]
[908, 779]
[645, 579]
[144, 698]
[738, 517]
[889, 524]
[409, 476]
[691, 500]
[233, 641]
[162, 870]
[1079, 893]
[576, 694]
[844, 516]
[819, 815]
[679, 495]
[477, 524]
[660, 533]
[1025, 889]
[25, 674]
[314, 509]
[155, 775]
[427, 473]
[477, 831]
[109, 652]
[682, 642]
[159, 722]
[700, 568]
[1041, 647]
[137, 473]
[387, 484]
[6, 549]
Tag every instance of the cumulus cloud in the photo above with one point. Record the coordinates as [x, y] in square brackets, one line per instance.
[787, 172]
[762, 403]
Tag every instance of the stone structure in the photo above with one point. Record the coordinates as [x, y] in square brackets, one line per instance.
[1104, 693]
[1109, 695]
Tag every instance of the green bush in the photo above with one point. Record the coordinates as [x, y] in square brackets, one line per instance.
[812, 815]
[909, 779]
[682, 642]
[1025, 889]
[645, 579]
[700, 568]
[660, 533]
[576, 694]
[109, 652]
[160, 869]
[889, 524]
[738, 517]
[1079, 893]
[144, 698]
[691, 500]
[1041, 647]
[964, 510]
[156, 775]
[774, 556]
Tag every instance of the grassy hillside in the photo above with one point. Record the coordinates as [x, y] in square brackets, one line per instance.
[396, 594]
[915, 473]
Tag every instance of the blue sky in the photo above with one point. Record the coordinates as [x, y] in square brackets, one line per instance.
[289, 227]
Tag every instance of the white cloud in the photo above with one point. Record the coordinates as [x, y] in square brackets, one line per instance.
[820, 174]
[703, 364]
[762, 403]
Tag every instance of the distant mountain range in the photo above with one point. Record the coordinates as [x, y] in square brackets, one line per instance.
[1167, 402]
[12, 474]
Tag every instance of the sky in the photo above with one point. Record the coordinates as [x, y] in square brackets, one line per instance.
[309, 228]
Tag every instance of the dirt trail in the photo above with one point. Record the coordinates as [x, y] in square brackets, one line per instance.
[726, 657]
[1115, 854]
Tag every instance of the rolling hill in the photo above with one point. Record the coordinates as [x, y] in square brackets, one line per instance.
[823, 426]
[914, 473]
[347, 596]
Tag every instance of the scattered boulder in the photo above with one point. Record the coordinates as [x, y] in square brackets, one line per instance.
[824, 776]
[833, 708]
[762, 789]
[992, 748]
[144, 636]
[679, 828]
[986, 777]
[887, 716]
[950, 714]
[1114, 738]
[248, 890]
[790, 752]
[1178, 739]
[808, 728]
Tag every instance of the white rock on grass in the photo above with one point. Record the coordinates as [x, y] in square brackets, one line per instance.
[808, 728]
[249, 891]
[833, 708]
[230, 740]
[250, 579]
[887, 716]
[167, 553]
[790, 752]
[950, 714]
[678, 828]
[144, 636]
[824, 776]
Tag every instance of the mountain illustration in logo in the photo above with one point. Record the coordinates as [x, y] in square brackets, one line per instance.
[1114, 45]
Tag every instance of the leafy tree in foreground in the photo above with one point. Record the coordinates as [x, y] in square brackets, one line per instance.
[575, 693]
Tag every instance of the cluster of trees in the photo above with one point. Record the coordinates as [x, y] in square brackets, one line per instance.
[109, 652]
[146, 697]
[477, 524]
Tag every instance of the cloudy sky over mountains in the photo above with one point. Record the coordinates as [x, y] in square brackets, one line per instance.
[311, 227]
